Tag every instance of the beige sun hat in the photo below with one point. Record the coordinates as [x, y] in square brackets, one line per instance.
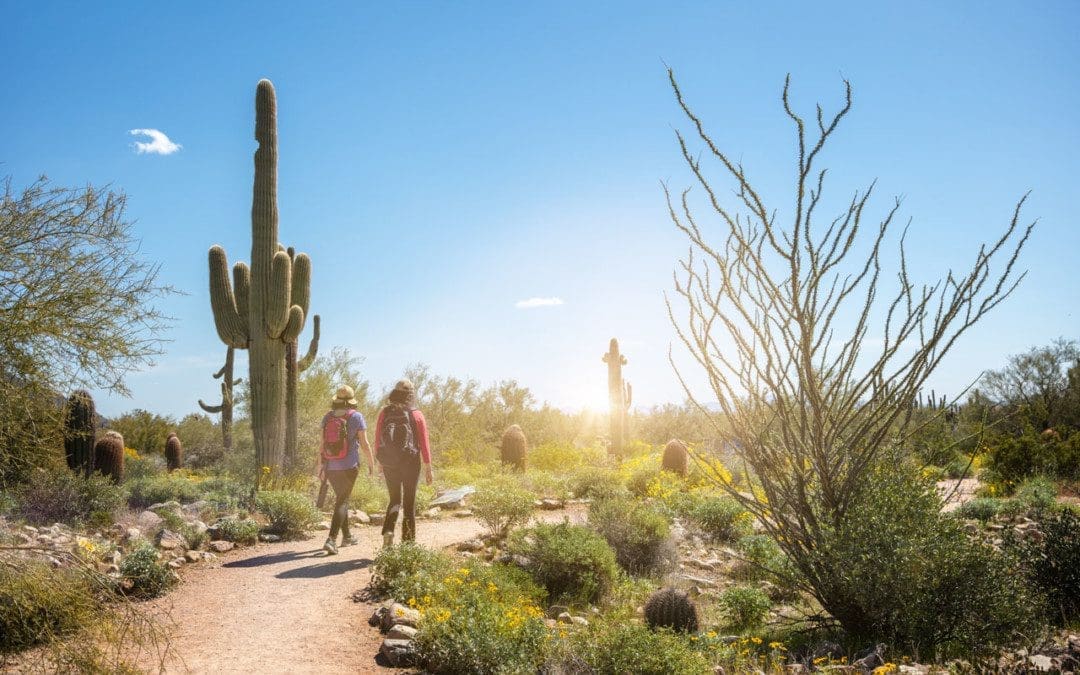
[344, 396]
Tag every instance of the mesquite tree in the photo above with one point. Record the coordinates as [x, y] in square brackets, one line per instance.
[779, 317]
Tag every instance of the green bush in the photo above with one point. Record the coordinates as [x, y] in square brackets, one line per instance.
[500, 504]
[408, 570]
[762, 560]
[291, 514]
[596, 482]
[628, 647]
[174, 487]
[960, 466]
[721, 518]
[572, 562]
[1015, 458]
[637, 532]
[562, 457]
[980, 508]
[38, 604]
[142, 575]
[369, 494]
[62, 496]
[1037, 492]
[239, 531]
[1053, 564]
[546, 484]
[224, 493]
[138, 466]
[745, 607]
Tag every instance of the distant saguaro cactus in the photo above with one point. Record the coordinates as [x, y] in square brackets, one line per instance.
[109, 456]
[79, 425]
[174, 452]
[676, 457]
[226, 405]
[513, 448]
[619, 394]
[669, 608]
[264, 307]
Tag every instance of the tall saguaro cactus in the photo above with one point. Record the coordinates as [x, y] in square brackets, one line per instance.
[263, 309]
[225, 408]
[619, 394]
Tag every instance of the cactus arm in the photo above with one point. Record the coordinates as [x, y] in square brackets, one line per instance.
[629, 395]
[313, 347]
[212, 409]
[301, 281]
[277, 302]
[231, 327]
[242, 289]
[294, 325]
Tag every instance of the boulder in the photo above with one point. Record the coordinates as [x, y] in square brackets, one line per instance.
[401, 632]
[472, 546]
[269, 538]
[193, 556]
[169, 540]
[399, 653]
[358, 516]
[221, 546]
[452, 499]
[400, 614]
[147, 521]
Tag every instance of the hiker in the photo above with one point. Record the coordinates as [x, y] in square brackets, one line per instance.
[344, 434]
[401, 445]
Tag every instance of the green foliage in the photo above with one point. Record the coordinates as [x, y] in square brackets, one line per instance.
[1052, 564]
[291, 514]
[1037, 492]
[980, 508]
[143, 430]
[203, 444]
[672, 609]
[62, 496]
[546, 484]
[745, 607]
[572, 562]
[159, 488]
[224, 492]
[630, 647]
[369, 494]
[563, 457]
[38, 604]
[638, 533]
[595, 482]
[762, 560]
[1031, 453]
[241, 531]
[500, 504]
[721, 518]
[408, 570]
[142, 575]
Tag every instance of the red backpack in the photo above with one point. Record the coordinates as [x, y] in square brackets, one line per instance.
[335, 437]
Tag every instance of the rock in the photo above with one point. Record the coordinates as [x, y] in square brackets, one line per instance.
[377, 617]
[521, 561]
[914, 669]
[208, 557]
[698, 581]
[551, 623]
[579, 621]
[433, 512]
[148, 521]
[221, 546]
[358, 516]
[472, 545]
[554, 611]
[401, 632]
[549, 504]
[796, 669]
[170, 540]
[564, 617]
[269, 538]
[399, 653]
[131, 533]
[452, 499]
[30, 528]
[177, 563]
[401, 614]
[199, 526]
[193, 509]
[463, 513]
[1041, 663]
[193, 556]
[324, 525]
[377, 518]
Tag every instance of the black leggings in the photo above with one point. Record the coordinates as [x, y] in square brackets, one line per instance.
[401, 483]
[342, 481]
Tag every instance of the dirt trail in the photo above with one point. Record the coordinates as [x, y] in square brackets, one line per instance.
[288, 607]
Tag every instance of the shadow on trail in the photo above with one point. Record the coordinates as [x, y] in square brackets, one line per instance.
[274, 558]
[327, 569]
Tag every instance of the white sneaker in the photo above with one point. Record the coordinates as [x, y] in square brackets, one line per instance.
[329, 547]
[388, 539]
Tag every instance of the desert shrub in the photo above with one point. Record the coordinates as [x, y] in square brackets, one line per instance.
[1053, 564]
[596, 482]
[720, 518]
[1037, 492]
[409, 570]
[63, 496]
[500, 504]
[546, 484]
[562, 457]
[38, 603]
[980, 508]
[628, 647]
[159, 488]
[244, 531]
[571, 562]
[8, 503]
[762, 560]
[291, 514]
[745, 607]
[638, 533]
[1014, 458]
[369, 494]
[224, 493]
[640, 478]
[960, 466]
[142, 575]
[141, 466]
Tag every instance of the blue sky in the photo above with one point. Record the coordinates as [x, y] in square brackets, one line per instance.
[441, 162]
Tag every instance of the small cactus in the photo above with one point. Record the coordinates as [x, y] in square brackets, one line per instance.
[79, 424]
[109, 456]
[669, 608]
[174, 452]
[676, 457]
[513, 447]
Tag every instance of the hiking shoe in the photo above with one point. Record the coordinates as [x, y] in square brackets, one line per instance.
[388, 539]
[349, 541]
[329, 547]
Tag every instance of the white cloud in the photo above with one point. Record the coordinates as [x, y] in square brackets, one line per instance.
[159, 143]
[538, 302]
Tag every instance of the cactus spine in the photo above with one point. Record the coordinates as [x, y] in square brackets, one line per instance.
[226, 406]
[513, 448]
[79, 424]
[676, 457]
[109, 456]
[174, 453]
[619, 394]
[264, 308]
[669, 608]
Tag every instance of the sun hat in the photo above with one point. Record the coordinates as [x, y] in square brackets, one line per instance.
[344, 396]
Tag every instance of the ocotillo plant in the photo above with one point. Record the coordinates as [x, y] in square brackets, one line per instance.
[293, 368]
[619, 394]
[226, 406]
[109, 456]
[79, 424]
[174, 453]
[263, 310]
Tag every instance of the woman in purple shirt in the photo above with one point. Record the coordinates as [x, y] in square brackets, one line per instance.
[341, 473]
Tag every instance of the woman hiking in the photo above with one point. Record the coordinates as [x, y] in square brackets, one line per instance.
[344, 435]
[401, 446]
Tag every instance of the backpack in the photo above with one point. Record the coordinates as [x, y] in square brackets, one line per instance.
[335, 437]
[397, 438]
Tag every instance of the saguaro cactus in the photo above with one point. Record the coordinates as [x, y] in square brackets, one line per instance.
[79, 424]
[263, 309]
[225, 408]
[174, 453]
[293, 368]
[109, 456]
[619, 394]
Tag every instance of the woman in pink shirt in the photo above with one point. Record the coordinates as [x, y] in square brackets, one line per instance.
[401, 439]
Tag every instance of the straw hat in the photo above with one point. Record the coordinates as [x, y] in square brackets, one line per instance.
[344, 396]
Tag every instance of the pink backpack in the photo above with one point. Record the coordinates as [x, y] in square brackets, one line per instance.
[335, 437]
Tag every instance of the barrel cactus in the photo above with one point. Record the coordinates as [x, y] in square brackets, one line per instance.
[513, 447]
[669, 608]
[174, 452]
[109, 456]
[79, 425]
[676, 457]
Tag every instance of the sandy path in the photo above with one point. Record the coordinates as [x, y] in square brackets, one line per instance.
[288, 608]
